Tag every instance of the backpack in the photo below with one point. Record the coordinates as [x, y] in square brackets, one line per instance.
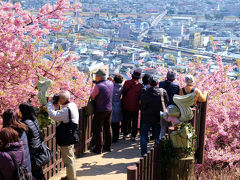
[21, 172]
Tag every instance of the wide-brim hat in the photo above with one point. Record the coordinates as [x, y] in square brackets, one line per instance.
[100, 73]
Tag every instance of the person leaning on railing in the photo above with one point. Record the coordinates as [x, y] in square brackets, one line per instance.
[169, 85]
[189, 88]
[102, 95]
[62, 115]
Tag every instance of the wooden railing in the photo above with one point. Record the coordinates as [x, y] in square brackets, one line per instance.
[85, 128]
[56, 164]
[152, 166]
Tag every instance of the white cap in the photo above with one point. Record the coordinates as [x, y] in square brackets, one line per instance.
[189, 79]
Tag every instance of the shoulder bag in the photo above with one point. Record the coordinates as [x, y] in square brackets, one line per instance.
[21, 172]
[41, 155]
[67, 133]
[90, 107]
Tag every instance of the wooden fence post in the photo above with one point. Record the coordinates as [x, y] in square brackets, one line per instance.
[45, 172]
[148, 165]
[145, 166]
[138, 170]
[180, 169]
[54, 148]
[202, 133]
[131, 173]
[141, 169]
[159, 168]
[151, 163]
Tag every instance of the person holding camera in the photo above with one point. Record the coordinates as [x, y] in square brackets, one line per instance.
[68, 113]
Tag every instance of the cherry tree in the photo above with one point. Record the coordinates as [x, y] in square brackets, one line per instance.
[22, 57]
[222, 147]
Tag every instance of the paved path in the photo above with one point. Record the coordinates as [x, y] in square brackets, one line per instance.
[108, 165]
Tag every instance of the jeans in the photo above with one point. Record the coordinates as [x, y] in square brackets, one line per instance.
[68, 159]
[163, 132]
[145, 128]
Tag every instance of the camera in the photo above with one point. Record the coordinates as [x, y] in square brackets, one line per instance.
[55, 99]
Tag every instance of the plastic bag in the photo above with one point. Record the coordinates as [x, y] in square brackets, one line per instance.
[43, 86]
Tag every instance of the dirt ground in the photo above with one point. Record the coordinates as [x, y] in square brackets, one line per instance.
[108, 165]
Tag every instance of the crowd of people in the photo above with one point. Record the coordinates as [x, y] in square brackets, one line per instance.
[21, 140]
[116, 104]
[22, 137]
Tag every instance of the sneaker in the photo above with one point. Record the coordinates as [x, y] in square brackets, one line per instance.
[124, 137]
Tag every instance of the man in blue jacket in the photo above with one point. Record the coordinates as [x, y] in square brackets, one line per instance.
[171, 87]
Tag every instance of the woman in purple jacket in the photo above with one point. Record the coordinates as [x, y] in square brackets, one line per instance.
[10, 119]
[9, 142]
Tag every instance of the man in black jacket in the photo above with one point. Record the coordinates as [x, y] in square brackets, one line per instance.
[171, 87]
[151, 106]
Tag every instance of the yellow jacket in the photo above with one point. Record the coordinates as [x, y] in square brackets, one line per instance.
[200, 97]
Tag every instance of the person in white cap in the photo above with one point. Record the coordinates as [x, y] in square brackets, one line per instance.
[189, 88]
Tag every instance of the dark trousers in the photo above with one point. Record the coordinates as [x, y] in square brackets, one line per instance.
[130, 118]
[115, 131]
[102, 122]
[145, 128]
[38, 174]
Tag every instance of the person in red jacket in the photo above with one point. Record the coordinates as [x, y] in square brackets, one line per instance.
[130, 98]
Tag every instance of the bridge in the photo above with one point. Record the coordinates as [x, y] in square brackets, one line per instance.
[158, 19]
[190, 51]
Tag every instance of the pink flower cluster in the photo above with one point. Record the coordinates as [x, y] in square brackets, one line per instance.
[21, 61]
[222, 140]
